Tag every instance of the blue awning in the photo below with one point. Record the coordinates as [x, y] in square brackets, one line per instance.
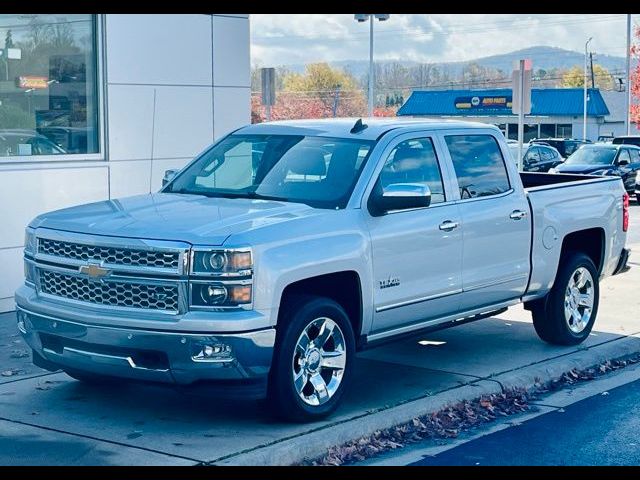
[544, 102]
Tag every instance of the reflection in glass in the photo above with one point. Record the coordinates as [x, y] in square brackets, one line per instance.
[48, 90]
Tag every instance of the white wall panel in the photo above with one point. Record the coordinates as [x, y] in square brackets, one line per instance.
[130, 121]
[183, 121]
[27, 193]
[232, 109]
[159, 49]
[12, 271]
[130, 178]
[231, 52]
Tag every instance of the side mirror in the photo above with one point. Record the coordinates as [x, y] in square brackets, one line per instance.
[400, 196]
[169, 175]
[623, 161]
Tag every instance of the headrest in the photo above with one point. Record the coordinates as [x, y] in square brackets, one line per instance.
[308, 161]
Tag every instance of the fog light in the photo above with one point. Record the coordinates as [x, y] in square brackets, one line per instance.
[217, 352]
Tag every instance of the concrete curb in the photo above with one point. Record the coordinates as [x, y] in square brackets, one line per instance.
[316, 443]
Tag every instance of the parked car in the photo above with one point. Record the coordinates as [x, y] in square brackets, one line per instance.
[627, 140]
[273, 272]
[25, 143]
[605, 159]
[566, 146]
[536, 157]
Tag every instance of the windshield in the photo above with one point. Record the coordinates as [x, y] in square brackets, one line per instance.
[318, 171]
[592, 156]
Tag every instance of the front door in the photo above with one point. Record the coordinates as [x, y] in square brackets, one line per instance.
[417, 253]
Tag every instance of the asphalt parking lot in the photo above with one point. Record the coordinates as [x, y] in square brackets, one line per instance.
[49, 418]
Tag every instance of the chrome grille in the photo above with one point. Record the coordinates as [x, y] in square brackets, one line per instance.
[119, 294]
[109, 255]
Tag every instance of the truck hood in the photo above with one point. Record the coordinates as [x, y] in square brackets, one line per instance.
[195, 219]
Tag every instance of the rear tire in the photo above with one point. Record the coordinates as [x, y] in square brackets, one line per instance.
[567, 314]
[313, 359]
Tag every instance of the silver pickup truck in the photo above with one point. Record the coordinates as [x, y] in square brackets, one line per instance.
[286, 247]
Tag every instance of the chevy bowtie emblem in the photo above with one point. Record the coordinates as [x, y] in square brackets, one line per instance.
[94, 270]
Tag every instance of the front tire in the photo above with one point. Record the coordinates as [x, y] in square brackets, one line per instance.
[313, 359]
[567, 314]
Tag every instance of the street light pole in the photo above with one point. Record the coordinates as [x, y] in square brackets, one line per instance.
[584, 119]
[363, 17]
[371, 65]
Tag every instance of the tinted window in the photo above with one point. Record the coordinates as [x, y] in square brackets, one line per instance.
[624, 155]
[635, 156]
[628, 140]
[588, 155]
[533, 155]
[478, 164]
[547, 154]
[414, 161]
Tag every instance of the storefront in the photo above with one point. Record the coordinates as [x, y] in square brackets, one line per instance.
[555, 112]
[94, 107]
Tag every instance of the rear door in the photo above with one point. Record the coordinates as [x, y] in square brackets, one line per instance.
[496, 224]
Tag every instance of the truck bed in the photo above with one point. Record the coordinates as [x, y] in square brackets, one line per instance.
[541, 181]
[561, 204]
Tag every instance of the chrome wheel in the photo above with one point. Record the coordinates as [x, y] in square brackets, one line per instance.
[319, 361]
[578, 300]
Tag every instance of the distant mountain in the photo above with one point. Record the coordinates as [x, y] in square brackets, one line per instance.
[542, 57]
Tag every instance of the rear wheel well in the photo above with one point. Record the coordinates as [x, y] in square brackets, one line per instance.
[590, 242]
[342, 287]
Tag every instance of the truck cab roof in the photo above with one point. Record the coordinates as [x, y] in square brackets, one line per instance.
[341, 127]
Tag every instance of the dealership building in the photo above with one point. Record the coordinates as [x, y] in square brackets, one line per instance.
[555, 112]
[95, 107]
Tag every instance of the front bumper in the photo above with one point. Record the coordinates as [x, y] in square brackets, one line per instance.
[165, 356]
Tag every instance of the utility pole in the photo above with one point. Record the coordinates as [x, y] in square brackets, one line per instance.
[336, 99]
[584, 117]
[627, 119]
[593, 81]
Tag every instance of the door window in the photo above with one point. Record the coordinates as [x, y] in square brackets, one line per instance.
[532, 156]
[478, 164]
[414, 161]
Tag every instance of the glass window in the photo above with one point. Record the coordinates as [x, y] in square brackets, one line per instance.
[533, 155]
[624, 155]
[414, 161]
[48, 87]
[547, 130]
[635, 156]
[513, 131]
[547, 155]
[592, 155]
[564, 130]
[478, 164]
[318, 171]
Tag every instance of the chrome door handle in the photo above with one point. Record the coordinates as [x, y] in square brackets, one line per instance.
[517, 215]
[448, 225]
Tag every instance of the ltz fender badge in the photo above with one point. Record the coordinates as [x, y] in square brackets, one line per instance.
[389, 282]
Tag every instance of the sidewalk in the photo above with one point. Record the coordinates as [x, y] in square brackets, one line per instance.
[55, 419]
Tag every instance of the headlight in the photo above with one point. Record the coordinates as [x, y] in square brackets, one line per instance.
[214, 294]
[224, 263]
[29, 241]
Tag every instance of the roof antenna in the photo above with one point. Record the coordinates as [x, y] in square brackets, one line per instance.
[359, 126]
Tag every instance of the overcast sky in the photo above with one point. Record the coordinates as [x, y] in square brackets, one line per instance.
[292, 39]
